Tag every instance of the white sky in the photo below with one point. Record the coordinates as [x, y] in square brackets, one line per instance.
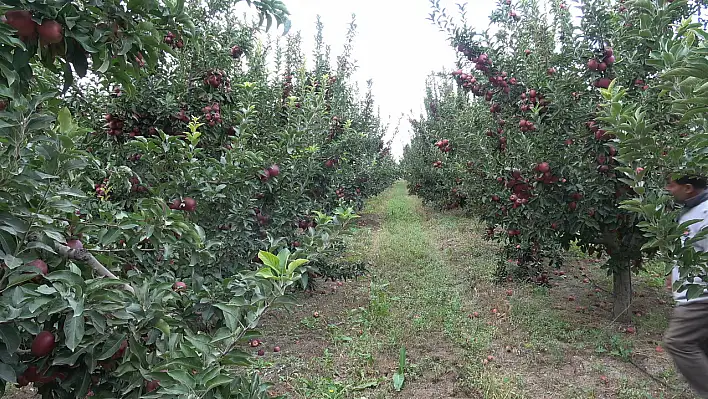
[396, 47]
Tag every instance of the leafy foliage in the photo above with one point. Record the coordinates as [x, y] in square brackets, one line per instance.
[154, 208]
[517, 134]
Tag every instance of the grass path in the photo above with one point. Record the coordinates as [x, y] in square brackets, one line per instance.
[430, 291]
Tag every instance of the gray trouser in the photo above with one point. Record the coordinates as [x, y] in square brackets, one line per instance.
[687, 341]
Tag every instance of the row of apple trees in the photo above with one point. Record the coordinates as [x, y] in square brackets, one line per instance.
[526, 133]
[162, 185]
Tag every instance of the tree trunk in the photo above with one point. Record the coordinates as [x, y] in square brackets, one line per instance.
[622, 295]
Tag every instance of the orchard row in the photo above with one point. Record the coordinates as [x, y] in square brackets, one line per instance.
[557, 130]
[162, 188]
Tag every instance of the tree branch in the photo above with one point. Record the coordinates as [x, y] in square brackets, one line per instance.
[83, 255]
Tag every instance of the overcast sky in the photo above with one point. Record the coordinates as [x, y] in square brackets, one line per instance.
[396, 47]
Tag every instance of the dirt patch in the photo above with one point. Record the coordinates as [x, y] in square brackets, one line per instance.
[589, 352]
[20, 393]
[369, 220]
[303, 338]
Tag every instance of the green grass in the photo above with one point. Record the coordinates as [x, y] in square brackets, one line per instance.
[429, 271]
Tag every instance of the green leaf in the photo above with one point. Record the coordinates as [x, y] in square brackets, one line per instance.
[40, 245]
[100, 283]
[65, 120]
[66, 277]
[73, 331]
[12, 262]
[217, 381]
[402, 359]
[694, 291]
[105, 64]
[7, 373]
[10, 337]
[111, 236]
[56, 236]
[295, 264]
[110, 350]
[163, 326]
[398, 380]
[265, 273]
[231, 315]
[70, 359]
[268, 259]
[236, 358]
[183, 377]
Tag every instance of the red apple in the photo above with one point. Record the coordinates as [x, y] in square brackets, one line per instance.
[22, 21]
[43, 344]
[121, 350]
[50, 31]
[176, 204]
[41, 265]
[236, 51]
[152, 385]
[274, 170]
[189, 204]
[603, 83]
[179, 286]
[31, 374]
[75, 244]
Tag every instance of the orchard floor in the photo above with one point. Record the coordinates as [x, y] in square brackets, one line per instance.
[429, 273]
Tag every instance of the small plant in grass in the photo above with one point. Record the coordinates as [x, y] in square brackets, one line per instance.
[399, 377]
[618, 347]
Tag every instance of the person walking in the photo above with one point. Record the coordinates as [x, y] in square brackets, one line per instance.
[686, 338]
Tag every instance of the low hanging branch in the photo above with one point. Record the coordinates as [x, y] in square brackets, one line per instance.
[83, 255]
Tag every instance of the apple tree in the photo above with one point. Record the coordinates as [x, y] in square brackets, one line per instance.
[133, 228]
[528, 149]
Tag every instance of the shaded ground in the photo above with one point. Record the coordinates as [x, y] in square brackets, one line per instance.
[20, 393]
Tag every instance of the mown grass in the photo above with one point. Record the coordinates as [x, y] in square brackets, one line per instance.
[432, 271]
